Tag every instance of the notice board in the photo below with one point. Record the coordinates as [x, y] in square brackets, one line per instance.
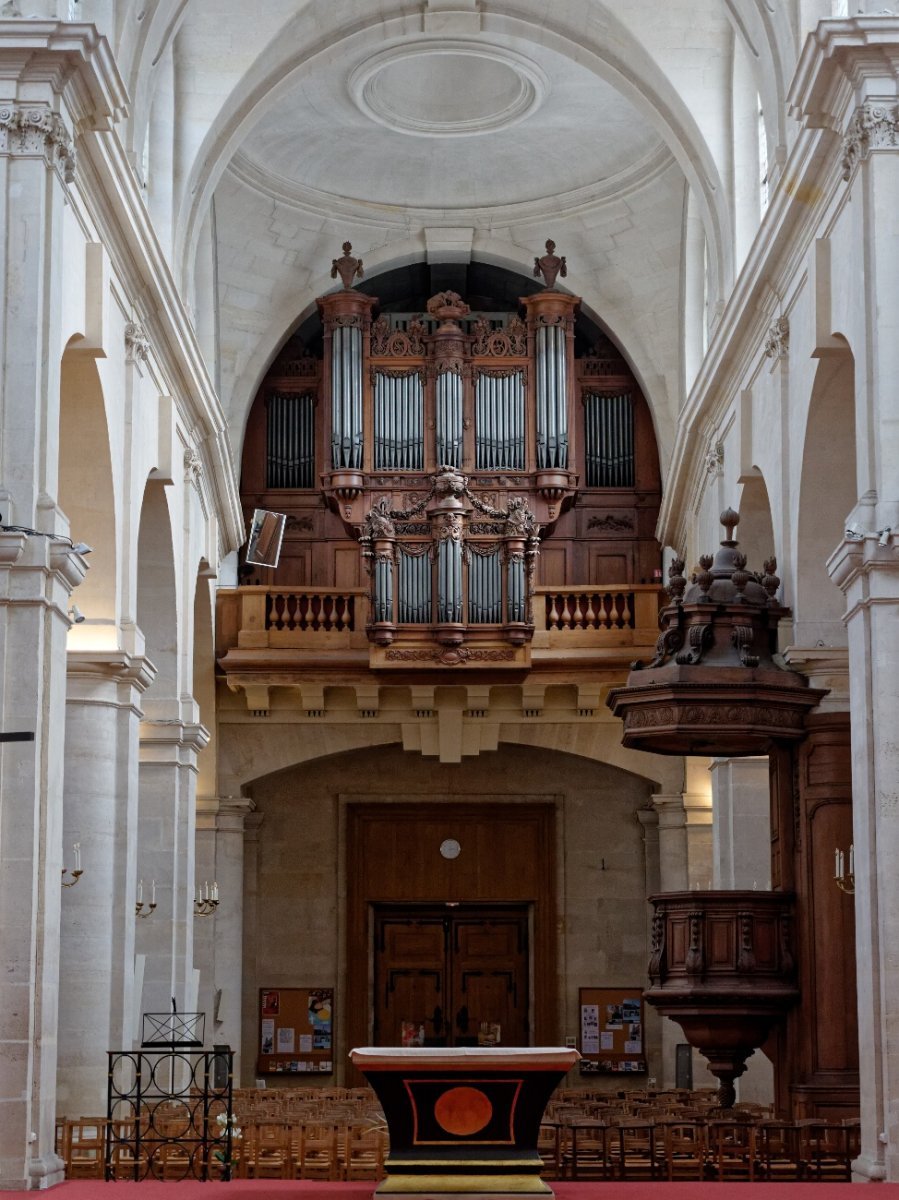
[296, 1031]
[611, 1030]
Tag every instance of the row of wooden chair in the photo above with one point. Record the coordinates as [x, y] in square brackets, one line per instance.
[264, 1150]
[723, 1150]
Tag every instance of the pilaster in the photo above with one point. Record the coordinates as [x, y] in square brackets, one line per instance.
[218, 938]
[97, 1007]
[868, 575]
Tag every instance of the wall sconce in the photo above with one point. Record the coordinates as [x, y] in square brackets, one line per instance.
[206, 900]
[76, 616]
[845, 880]
[78, 872]
[140, 906]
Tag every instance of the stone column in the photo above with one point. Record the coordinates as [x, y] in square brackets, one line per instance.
[672, 841]
[741, 827]
[251, 978]
[869, 576]
[218, 939]
[50, 85]
[97, 1005]
[36, 579]
[169, 745]
[849, 82]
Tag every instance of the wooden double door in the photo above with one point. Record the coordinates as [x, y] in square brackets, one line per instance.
[446, 975]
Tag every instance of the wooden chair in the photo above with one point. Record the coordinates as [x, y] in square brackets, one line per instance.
[318, 1152]
[632, 1149]
[549, 1147]
[778, 1155]
[84, 1148]
[270, 1152]
[827, 1150]
[684, 1149]
[731, 1150]
[365, 1152]
[589, 1153]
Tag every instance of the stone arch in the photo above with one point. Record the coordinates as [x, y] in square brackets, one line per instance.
[618, 57]
[756, 528]
[87, 494]
[156, 591]
[491, 253]
[828, 492]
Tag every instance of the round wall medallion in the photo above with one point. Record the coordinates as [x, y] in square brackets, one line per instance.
[450, 848]
[441, 88]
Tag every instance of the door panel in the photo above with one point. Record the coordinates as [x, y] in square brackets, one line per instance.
[448, 971]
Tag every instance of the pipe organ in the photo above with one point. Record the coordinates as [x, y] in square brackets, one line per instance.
[474, 455]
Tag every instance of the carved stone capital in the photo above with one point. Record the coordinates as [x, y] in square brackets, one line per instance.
[777, 343]
[193, 466]
[137, 344]
[35, 130]
[714, 459]
[874, 126]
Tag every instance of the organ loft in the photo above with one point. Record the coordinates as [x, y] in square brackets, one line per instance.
[464, 478]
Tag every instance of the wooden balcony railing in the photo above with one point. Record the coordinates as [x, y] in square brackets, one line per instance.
[583, 617]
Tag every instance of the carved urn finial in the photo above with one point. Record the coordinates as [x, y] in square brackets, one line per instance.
[730, 520]
[347, 267]
[449, 308]
[550, 266]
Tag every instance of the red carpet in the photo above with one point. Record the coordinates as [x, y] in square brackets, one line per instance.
[89, 1189]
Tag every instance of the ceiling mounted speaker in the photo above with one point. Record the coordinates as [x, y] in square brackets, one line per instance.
[264, 543]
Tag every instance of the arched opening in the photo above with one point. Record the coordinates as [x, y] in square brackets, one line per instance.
[610, 433]
[156, 595]
[87, 497]
[756, 528]
[828, 493]
[565, 839]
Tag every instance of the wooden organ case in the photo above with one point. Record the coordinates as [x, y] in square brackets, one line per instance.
[473, 471]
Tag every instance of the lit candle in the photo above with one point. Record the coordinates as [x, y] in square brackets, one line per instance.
[140, 891]
[77, 849]
[836, 864]
[852, 861]
[206, 890]
[215, 891]
[153, 892]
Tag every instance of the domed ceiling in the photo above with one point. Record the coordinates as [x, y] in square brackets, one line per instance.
[441, 123]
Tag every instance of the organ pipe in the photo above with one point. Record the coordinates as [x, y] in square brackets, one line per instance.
[609, 440]
[346, 397]
[552, 397]
[290, 441]
[449, 419]
[485, 603]
[499, 421]
[414, 598]
[399, 422]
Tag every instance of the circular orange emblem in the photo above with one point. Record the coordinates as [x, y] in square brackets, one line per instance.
[463, 1111]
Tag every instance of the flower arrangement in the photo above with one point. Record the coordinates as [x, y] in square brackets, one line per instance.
[225, 1154]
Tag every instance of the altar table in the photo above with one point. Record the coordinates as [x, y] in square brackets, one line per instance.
[464, 1121]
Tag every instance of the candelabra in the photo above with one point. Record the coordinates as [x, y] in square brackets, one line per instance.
[140, 906]
[77, 872]
[206, 900]
[845, 880]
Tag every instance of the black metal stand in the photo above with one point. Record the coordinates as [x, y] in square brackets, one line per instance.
[169, 1114]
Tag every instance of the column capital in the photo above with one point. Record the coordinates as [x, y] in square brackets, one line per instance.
[865, 571]
[224, 813]
[648, 818]
[117, 666]
[670, 809]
